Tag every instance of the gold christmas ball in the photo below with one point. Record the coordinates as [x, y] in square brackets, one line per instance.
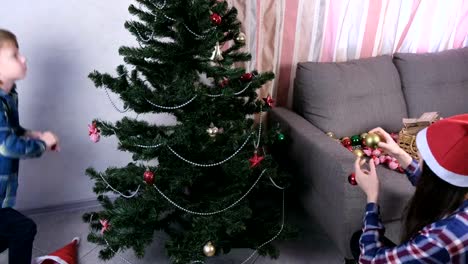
[209, 250]
[358, 152]
[240, 38]
[331, 134]
[372, 140]
[363, 135]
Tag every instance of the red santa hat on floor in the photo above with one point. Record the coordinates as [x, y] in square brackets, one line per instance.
[66, 255]
[444, 148]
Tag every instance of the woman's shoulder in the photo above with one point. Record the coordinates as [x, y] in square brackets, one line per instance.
[453, 227]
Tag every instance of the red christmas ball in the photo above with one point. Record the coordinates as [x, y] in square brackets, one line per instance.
[346, 141]
[216, 19]
[148, 176]
[246, 77]
[224, 83]
[352, 179]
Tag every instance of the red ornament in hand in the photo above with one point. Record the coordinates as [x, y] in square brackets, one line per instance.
[352, 179]
[246, 77]
[148, 176]
[216, 19]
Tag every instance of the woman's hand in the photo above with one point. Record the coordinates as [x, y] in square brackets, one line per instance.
[367, 179]
[390, 147]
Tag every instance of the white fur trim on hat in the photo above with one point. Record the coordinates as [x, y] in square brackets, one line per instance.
[446, 175]
[54, 258]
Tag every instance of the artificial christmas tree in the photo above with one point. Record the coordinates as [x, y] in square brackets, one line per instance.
[215, 186]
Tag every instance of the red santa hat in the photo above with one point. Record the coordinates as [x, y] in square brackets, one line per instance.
[66, 255]
[444, 148]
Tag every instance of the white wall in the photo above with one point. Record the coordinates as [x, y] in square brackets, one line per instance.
[64, 41]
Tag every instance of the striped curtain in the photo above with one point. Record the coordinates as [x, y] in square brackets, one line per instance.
[281, 33]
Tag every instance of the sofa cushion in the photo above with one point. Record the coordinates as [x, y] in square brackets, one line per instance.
[350, 97]
[434, 81]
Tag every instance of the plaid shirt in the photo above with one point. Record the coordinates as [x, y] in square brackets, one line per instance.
[445, 241]
[13, 147]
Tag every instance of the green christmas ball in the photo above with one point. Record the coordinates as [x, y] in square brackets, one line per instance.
[281, 136]
[355, 140]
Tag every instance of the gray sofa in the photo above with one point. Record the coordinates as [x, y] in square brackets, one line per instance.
[352, 97]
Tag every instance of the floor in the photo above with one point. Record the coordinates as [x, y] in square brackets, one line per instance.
[57, 229]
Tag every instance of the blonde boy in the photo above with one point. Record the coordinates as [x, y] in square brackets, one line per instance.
[16, 230]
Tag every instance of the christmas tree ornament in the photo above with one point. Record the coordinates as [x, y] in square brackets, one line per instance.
[217, 54]
[240, 38]
[201, 74]
[187, 191]
[280, 136]
[105, 225]
[377, 152]
[216, 19]
[393, 164]
[148, 177]
[331, 134]
[376, 160]
[358, 152]
[352, 179]
[255, 160]
[213, 131]
[224, 82]
[65, 255]
[372, 140]
[269, 101]
[246, 77]
[209, 249]
[94, 132]
[363, 135]
[355, 140]
[363, 138]
[346, 141]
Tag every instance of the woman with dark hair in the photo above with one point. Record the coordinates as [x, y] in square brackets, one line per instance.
[435, 228]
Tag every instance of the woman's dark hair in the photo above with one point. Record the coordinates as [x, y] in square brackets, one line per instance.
[434, 198]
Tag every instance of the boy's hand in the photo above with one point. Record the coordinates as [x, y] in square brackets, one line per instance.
[367, 179]
[33, 134]
[51, 140]
[389, 146]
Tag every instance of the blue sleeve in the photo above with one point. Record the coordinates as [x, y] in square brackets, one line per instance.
[413, 172]
[12, 145]
[373, 251]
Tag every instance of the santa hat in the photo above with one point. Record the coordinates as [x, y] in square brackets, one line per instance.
[444, 148]
[66, 255]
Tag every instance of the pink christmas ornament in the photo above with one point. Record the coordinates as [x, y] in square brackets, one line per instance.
[95, 137]
[94, 132]
[376, 152]
[376, 160]
[393, 165]
[367, 151]
[105, 225]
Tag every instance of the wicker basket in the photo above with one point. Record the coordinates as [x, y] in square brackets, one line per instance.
[408, 143]
[407, 135]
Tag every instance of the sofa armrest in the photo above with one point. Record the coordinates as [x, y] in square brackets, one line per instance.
[317, 159]
[321, 167]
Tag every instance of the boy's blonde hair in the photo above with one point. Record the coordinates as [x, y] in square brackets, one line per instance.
[6, 37]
